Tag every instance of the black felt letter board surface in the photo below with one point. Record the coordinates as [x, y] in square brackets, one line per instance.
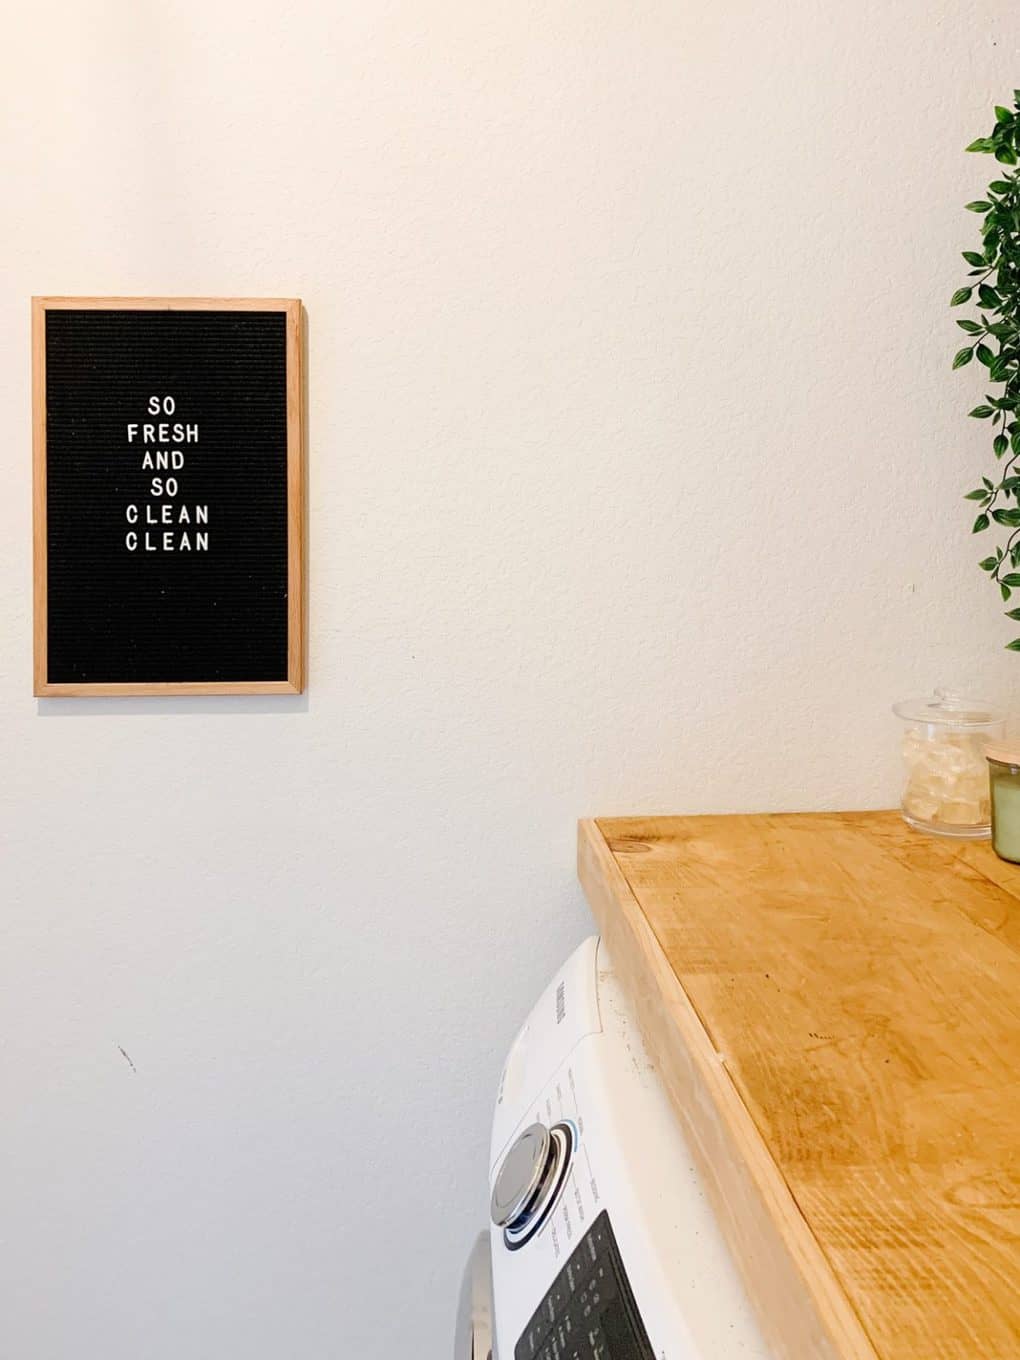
[167, 466]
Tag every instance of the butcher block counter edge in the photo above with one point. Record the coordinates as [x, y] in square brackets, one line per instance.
[800, 1303]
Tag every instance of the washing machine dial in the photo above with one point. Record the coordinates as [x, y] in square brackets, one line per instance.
[529, 1181]
[521, 1176]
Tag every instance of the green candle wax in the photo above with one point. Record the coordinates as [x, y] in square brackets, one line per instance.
[1005, 811]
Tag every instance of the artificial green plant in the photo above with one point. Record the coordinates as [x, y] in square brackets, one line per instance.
[994, 336]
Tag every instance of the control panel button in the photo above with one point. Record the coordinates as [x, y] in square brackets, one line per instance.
[520, 1177]
[529, 1182]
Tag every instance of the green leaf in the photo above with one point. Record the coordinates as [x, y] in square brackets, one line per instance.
[1004, 590]
[1013, 614]
[1000, 444]
[981, 144]
[978, 495]
[980, 205]
[961, 295]
[972, 257]
[1012, 580]
[1011, 518]
[985, 355]
[963, 356]
[982, 412]
[1002, 330]
[1000, 186]
[988, 296]
[971, 327]
[1013, 646]
[1005, 155]
[980, 524]
[989, 564]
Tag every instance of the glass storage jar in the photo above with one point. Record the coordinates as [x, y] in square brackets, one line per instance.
[946, 789]
[1004, 776]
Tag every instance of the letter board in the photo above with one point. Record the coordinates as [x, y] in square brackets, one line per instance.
[168, 505]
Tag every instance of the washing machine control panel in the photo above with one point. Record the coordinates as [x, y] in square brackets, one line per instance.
[588, 1312]
[604, 1245]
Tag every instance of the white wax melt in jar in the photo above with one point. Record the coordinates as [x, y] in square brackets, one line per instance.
[946, 788]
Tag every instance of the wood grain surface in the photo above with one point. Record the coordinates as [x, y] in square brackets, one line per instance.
[834, 1003]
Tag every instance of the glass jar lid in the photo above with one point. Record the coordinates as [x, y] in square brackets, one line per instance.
[1004, 753]
[949, 709]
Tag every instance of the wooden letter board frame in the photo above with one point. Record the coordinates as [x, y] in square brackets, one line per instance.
[295, 510]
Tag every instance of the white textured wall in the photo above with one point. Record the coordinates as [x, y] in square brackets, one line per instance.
[635, 484]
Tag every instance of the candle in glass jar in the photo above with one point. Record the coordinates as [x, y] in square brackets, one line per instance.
[1004, 777]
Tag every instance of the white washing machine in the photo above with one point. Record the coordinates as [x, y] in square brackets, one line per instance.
[602, 1244]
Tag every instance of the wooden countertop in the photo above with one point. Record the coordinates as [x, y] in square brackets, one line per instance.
[834, 1003]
